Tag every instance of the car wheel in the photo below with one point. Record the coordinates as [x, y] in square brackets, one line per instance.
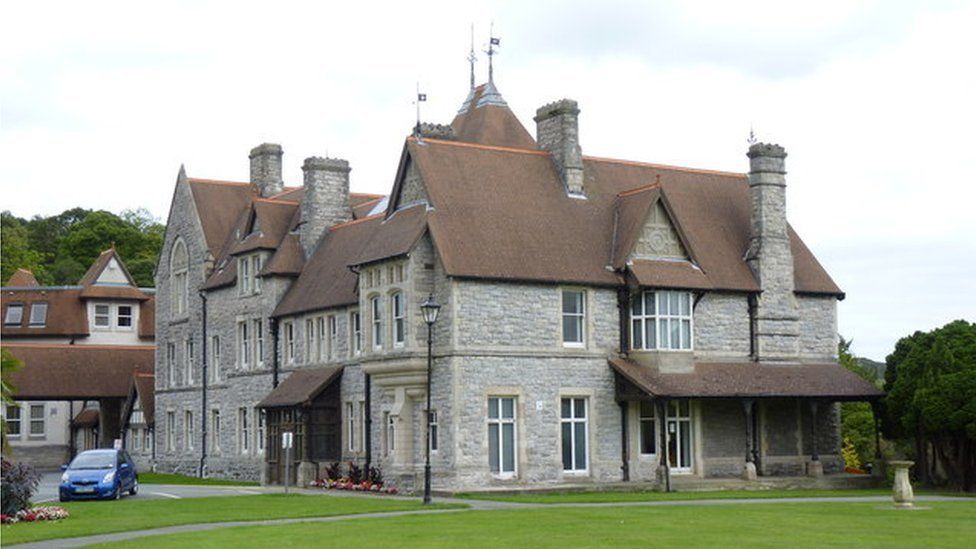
[118, 492]
[135, 488]
[62, 498]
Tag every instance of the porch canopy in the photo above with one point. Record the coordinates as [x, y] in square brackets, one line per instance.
[826, 381]
[300, 388]
[77, 372]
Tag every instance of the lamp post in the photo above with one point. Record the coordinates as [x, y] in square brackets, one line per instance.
[430, 308]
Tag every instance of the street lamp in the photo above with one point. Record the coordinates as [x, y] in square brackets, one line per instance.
[429, 308]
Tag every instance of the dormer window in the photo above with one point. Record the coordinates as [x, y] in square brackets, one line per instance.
[15, 314]
[38, 315]
[661, 320]
[248, 269]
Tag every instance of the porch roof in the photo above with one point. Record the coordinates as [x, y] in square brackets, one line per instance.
[301, 387]
[829, 381]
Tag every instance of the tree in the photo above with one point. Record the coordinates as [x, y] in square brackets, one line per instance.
[8, 365]
[931, 384]
[16, 249]
[857, 418]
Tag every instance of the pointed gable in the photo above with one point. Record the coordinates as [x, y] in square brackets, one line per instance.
[108, 278]
[22, 278]
[485, 119]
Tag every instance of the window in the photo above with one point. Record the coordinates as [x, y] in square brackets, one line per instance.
[249, 270]
[103, 316]
[15, 314]
[256, 262]
[178, 268]
[501, 435]
[171, 363]
[188, 429]
[262, 421]
[399, 334]
[433, 430]
[14, 428]
[215, 430]
[399, 272]
[146, 440]
[333, 337]
[390, 422]
[188, 355]
[648, 429]
[170, 431]
[289, 329]
[123, 316]
[38, 315]
[355, 321]
[350, 428]
[574, 313]
[573, 420]
[661, 320]
[362, 424]
[243, 432]
[215, 359]
[258, 342]
[320, 338]
[309, 340]
[376, 308]
[244, 345]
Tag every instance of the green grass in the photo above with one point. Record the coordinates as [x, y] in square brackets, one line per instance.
[167, 478]
[943, 524]
[102, 517]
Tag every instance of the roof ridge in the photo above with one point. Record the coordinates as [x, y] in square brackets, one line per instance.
[662, 166]
[76, 346]
[480, 146]
[217, 182]
[272, 200]
[355, 221]
[374, 195]
[645, 188]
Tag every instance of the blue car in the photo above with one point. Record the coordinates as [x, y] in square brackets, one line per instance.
[99, 474]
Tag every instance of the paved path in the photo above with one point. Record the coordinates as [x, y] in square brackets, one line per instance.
[474, 505]
[47, 490]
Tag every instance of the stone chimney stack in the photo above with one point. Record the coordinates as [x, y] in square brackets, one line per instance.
[266, 169]
[557, 131]
[776, 316]
[326, 201]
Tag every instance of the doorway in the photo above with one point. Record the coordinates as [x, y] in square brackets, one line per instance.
[680, 436]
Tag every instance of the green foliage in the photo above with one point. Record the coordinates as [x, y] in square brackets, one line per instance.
[8, 365]
[857, 419]
[60, 248]
[849, 453]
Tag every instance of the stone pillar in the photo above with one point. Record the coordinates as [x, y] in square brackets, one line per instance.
[663, 472]
[557, 131]
[109, 422]
[902, 494]
[777, 323]
[814, 466]
[749, 470]
[326, 201]
[307, 472]
[266, 169]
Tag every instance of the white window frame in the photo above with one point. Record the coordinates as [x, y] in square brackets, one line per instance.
[19, 420]
[188, 356]
[361, 413]
[333, 322]
[170, 431]
[243, 431]
[38, 315]
[320, 352]
[33, 421]
[171, 363]
[389, 426]
[107, 315]
[257, 327]
[14, 315]
[260, 426]
[356, 330]
[578, 317]
[310, 341]
[215, 430]
[119, 316]
[376, 319]
[398, 327]
[178, 277]
[573, 420]
[350, 427]
[188, 429]
[289, 329]
[434, 441]
[501, 422]
[244, 272]
[651, 310]
[257, 261]
[215, 358]
[146, 439]
[243, 345]
[643, 418]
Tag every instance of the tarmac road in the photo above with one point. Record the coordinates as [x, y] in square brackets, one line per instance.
[47, 491]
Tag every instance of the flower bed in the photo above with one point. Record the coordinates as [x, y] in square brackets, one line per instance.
[35, 514]
[346, 484]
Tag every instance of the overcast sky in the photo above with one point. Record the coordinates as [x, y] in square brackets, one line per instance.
[100, 103]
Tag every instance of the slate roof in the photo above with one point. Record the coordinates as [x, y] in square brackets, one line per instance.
[77, 372]
[749, 379]
[301, 387]
[86, 418]
[22, 278]
[486, 119]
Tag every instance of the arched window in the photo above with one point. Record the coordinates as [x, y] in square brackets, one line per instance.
[178, 267]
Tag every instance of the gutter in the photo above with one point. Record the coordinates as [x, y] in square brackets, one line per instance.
[203, 389]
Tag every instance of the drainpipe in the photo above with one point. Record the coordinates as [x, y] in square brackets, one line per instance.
[368, 442]
[623, 305]
[624, 443]
[273, 325]
[203, 389]
[753, 305]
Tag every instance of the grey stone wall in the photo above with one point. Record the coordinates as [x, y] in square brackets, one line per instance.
[818, 327]
[412, 190]
[722, 326]
[266, 169]
[557, 131]
[326, 201]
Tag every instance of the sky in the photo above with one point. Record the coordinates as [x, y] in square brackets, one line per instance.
[101, 102]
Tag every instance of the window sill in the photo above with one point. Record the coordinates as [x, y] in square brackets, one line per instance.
[574, 345]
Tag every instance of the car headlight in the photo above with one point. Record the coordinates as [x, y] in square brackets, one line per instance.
[109, 477]
[65, 478]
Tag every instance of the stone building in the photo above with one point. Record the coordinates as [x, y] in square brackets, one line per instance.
[601, 320]
[80, 347]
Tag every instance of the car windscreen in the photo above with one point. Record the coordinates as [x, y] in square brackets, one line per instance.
[93, 461]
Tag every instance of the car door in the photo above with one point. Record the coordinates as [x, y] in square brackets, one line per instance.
[126, 471]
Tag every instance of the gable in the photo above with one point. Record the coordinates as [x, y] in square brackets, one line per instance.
[413, 190]
[658, 238]
[113, 274]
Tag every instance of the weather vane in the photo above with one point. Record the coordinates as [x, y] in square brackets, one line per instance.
[471, 56]
[752, 136]
[421, 98]
[491, 51]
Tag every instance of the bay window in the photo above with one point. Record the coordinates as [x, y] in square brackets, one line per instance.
[661, 320]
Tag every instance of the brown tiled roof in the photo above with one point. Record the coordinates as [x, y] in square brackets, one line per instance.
[490, 124]
[362, 209]
[147, 319]
[112, 291]
[669, 274]
[77, 372]
[630, 212]
[145, 387]
[297, 194]
[219, 204]
[96, 268]
[326, 281]
[271, 218]
[502, 213]
[86, 418]
[22, 278]
[288, 260]
[301, 387]
[66, 313]
[749, 379]
[395, 235]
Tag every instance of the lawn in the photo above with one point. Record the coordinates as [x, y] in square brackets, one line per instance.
[943, 524]
[102, 517]
[168, 478]
[628, 496]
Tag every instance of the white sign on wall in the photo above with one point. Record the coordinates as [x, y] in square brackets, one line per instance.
[286, 439]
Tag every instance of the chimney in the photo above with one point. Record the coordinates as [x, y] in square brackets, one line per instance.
[266, 169]
[776, 317]
[326, 201]
[557, 131]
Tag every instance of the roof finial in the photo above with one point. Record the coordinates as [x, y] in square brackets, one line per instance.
[471, 56]
[752, 137]
[421, 97]
[491, 51]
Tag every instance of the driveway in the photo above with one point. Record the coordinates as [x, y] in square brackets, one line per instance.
[48, 490]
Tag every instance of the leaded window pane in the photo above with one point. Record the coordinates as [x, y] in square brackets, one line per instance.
[508, 408]
[508, 447]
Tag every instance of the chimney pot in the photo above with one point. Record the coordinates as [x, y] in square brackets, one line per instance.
[266, 169]
[326, 201]
[557, 131]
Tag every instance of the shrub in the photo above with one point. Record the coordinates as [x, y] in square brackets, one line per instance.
[19, 483]
[851, 460]
[332, 471]
[375, 475]
[355, 473]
